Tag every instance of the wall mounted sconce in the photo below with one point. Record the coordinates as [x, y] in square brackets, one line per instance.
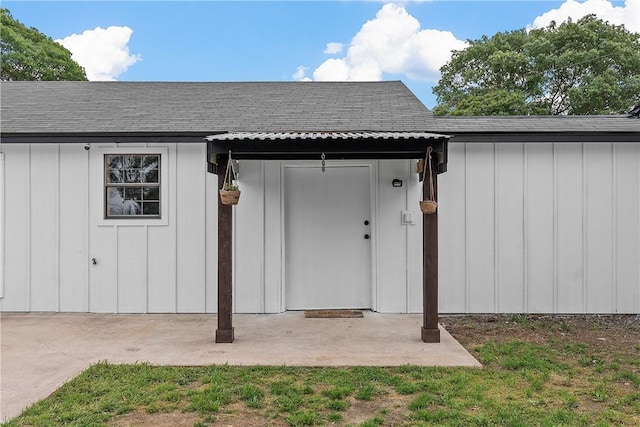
[396, 183]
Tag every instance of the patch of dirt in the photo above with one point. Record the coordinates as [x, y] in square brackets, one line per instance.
[393, 404]
[238, 415]
[164, 419]
[603, 335]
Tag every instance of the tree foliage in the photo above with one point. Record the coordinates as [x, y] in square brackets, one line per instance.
[583, 67]
[27, 54]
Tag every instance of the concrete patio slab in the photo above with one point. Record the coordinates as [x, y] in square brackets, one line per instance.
[39, 352]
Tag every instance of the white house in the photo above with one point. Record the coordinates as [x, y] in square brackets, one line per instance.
[108, 204]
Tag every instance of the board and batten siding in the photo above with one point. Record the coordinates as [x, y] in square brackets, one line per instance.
[540, 228]
[54, 206]
[52, 234]
[524, 228]
[259, 273]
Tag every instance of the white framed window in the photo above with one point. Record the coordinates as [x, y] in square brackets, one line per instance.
[133, 185]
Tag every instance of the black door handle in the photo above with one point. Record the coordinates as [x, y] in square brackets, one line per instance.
[366, 236]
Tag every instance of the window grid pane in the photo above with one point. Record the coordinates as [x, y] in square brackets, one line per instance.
[132, 186]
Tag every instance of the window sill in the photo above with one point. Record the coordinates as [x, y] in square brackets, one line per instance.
[155, 222]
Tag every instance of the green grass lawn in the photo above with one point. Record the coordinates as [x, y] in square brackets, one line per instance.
[557, 383]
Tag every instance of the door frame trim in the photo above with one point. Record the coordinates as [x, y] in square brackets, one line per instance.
[372, 166]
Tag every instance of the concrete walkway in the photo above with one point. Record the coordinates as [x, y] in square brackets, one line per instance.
[39, 352]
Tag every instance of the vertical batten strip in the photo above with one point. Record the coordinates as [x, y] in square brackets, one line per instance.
[146, 270]
[116, 308]
[525, 227]
[614, 230]
[202, 226]
[281, 237]
[204, 231]
[585, 228]
[87, 227]
[58, 225]
[56, 232]
[29, 242]
[263, 267]
[555, 226]
[281, 220]
[467, 302]
[174, 211]
[496, 228]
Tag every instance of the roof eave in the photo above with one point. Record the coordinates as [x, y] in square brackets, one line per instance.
[103, 137]
[604, 136]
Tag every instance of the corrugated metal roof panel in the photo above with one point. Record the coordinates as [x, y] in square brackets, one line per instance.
[264, 136]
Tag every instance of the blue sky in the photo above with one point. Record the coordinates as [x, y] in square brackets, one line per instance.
[289, 40]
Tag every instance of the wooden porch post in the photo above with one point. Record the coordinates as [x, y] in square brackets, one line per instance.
[430, 331]
[224, 333]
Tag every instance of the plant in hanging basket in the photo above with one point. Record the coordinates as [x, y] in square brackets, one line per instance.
[428, 206]
[230, 195]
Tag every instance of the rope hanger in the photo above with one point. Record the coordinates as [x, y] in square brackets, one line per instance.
[429, 205]
[230, 175]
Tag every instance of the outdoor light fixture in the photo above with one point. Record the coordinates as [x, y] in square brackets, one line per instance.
[396, 182]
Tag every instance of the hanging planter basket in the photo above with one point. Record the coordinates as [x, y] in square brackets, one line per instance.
[230, 194]
[229, 197]
[428, 206]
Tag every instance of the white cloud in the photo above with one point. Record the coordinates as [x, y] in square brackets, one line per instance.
[392, 42]
[301, 74]
[627, 15]
[333, 48]
[332, 69]
[104, 53]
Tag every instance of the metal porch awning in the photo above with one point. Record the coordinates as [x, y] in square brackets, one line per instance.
[308, 145]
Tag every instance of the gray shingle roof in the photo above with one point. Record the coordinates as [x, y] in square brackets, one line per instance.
[104, 107]
[532, 124]
[46, 108]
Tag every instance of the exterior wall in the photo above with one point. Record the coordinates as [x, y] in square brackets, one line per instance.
[539, 228]
[259, 282]
[53, 203]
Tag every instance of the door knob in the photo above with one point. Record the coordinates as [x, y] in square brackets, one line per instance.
[366, 236]
[366, 223]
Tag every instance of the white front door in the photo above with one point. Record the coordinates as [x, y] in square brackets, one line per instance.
[327, 237]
